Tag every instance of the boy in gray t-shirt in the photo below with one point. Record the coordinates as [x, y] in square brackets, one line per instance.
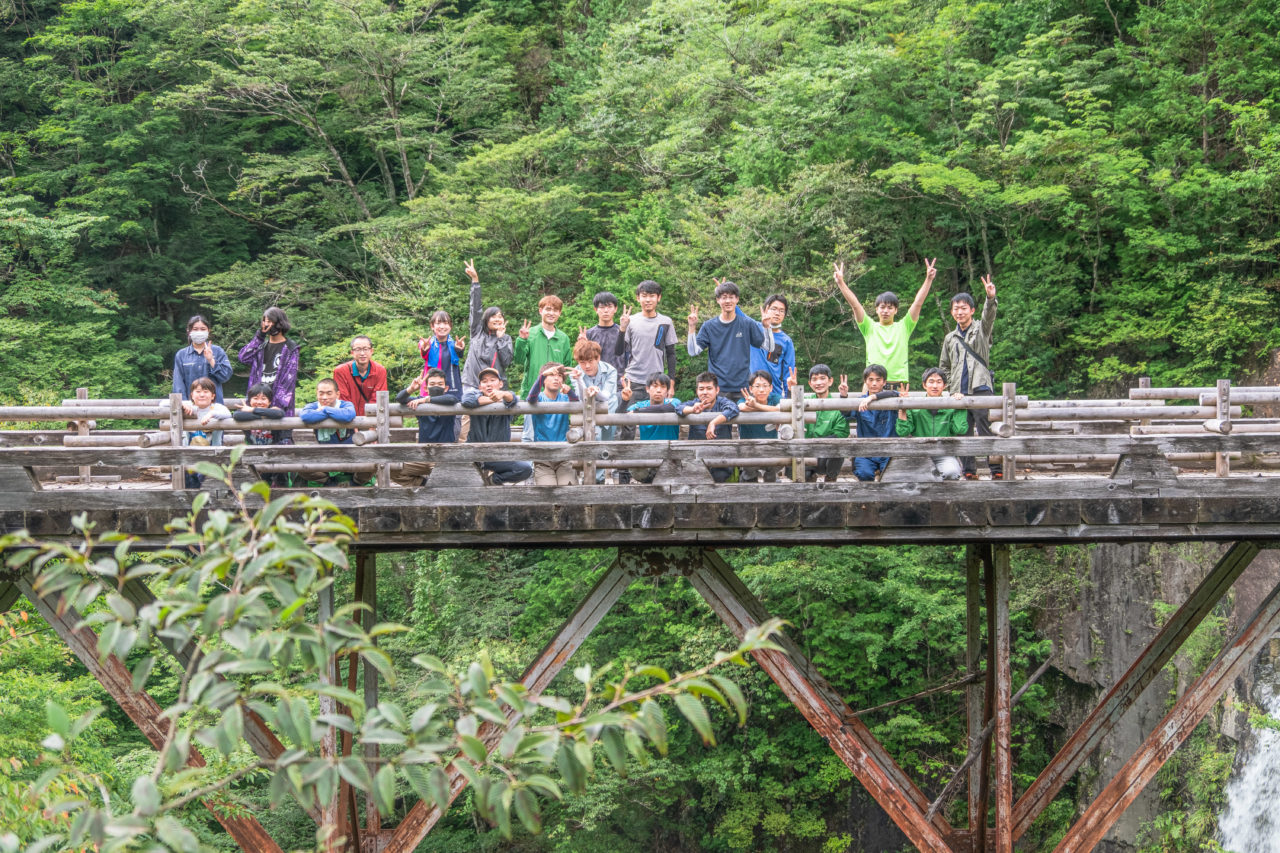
[649, 342]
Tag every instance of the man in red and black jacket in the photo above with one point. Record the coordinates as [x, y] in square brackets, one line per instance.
[360, 379]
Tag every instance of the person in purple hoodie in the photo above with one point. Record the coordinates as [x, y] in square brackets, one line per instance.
[273, 359]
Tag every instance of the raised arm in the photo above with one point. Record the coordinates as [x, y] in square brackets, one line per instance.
[476, 306]
[930, 270]
[221, 370]
[849, 296]
[691, 345]
[988, 307]
[252, 351]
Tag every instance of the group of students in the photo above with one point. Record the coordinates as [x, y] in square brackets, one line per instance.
[626, 362]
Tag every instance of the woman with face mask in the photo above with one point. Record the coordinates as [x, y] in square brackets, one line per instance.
[201, 358]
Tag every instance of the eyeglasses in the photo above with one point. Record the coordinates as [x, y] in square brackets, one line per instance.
[362, 349]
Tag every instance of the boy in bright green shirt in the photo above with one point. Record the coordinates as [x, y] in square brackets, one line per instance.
[886, 340]
[536, 348]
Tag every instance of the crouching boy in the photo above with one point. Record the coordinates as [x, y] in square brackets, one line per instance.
[660, 401]
[494, 429]
[936, 423]
[710, 400]
[759, 396]
[877, 424]
[550, 388]
[432, 429]
[327, 406]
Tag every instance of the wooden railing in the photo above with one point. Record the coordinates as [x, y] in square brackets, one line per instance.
[1148, 412]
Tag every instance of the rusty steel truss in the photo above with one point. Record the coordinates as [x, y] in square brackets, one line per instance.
[996, 816]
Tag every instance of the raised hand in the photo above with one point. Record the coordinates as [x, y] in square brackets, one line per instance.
[415, 384]
[791, 379]
[626, 390]
[930, 269]
[460, 342]
[582, 332]
[838, 272]
[844, 385]
[748, 402]
[208, 353]
[470, 270]
[524, 329]
[499, 326]
[625, 319]
[576, 373]
[693, 316]
[989, 286]
[550, 371]
[423, 343]
[717, 281]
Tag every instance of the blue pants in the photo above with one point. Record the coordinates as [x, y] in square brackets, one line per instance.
[866, 467]
[509, 472]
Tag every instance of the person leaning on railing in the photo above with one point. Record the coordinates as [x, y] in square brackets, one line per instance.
[494, 429]
[966, 351]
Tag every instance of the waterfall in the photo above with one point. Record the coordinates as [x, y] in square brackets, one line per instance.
[1251, 822]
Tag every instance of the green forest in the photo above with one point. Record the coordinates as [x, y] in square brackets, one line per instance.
[1114, 165]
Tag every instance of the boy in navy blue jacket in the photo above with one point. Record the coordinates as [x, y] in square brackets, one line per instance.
[710, 400]
[432, 429]
[877, 424]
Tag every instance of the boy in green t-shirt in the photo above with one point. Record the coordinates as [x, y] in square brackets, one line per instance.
[828, 423]
[886, 340]
[538, 346]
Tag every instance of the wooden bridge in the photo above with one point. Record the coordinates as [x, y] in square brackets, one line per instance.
[1141, 469]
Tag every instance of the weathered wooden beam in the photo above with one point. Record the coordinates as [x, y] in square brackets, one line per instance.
[113, 675]
[367, 571]
[973, 694]
[1122, 695]
[1002, 751]
[822, 706]
[707, 451]
[257, 734]
[9, 593]
[424, 815]
[1175, 728]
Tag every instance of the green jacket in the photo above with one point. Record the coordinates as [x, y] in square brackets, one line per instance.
[535, 351]
[934, 423]
[830, 424]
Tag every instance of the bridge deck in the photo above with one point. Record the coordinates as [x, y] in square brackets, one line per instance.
[1142, 498]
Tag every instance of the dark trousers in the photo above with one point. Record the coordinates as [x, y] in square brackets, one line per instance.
[828, 469]
[628, 433]
[980, 424]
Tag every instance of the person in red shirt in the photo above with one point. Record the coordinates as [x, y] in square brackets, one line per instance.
[360, 379]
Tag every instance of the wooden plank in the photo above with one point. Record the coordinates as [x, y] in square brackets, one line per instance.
[423, 816]
[1125, 692]
[822, 706]
[705, 451]
[113, 675]
[1176, 727]
[1002, 752]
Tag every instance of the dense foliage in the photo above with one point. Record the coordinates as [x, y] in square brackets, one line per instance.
[1114, 164]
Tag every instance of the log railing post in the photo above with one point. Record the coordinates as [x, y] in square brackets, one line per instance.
[382, 411]
[82, 428]
[1221, 461]
[797, 427]
[1010, 418]
[588, 434]
[175, 437]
